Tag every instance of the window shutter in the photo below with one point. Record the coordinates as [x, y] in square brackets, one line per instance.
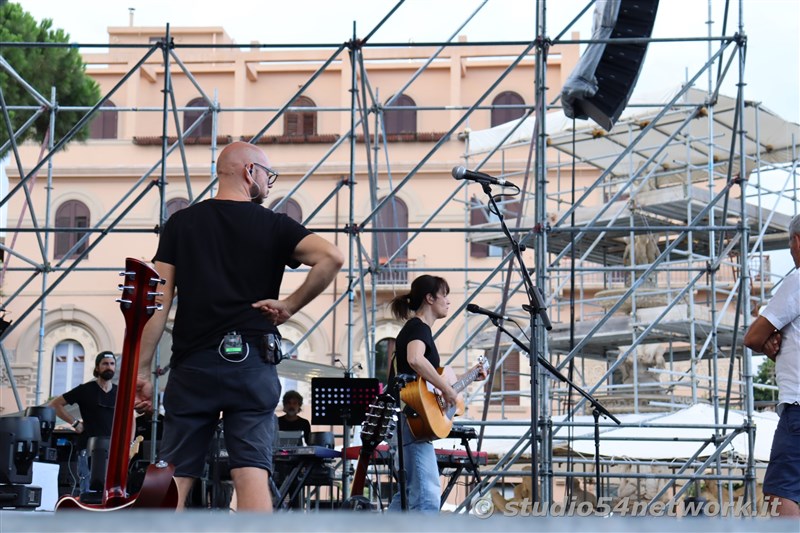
[62, 240]
[292, 124]
[477, 216]
[398, 121]
[511, 377]
[508, 376]
[503, 115]
[104, 124]
[301, 122]
[190, 117]
[309, 123]
[70, 214]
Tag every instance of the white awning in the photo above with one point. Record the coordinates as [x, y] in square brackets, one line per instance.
[766, 134]
[633, 442]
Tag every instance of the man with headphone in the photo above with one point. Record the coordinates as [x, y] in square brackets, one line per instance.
[95, 399]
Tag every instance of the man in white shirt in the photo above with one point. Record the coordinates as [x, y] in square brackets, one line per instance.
[776, 333]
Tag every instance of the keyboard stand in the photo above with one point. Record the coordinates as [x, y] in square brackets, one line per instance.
[288, 482]
[453, 479]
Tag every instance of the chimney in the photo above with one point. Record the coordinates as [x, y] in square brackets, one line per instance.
[130, 16]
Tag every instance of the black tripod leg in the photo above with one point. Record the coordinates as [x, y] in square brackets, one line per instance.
[472, 462]
[401, 471]
[451, 482]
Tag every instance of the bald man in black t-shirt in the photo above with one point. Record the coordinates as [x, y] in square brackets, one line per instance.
[226, 257]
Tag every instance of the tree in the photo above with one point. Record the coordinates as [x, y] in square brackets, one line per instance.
[765, 376]
[42, 68]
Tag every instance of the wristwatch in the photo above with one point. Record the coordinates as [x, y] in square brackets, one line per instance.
[75, 424]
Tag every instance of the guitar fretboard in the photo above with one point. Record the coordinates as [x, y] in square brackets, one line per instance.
[466, 379]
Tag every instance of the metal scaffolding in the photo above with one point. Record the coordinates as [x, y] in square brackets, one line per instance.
[583, 212]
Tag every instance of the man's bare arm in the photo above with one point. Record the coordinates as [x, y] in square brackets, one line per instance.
[325, 261]
[152, 332]
[762, 337]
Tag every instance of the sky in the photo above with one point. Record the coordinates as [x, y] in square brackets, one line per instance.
[772, 70]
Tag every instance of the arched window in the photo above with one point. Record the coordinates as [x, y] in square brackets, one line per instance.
[175, 205]
[384, 354]
[503, 114]
[393, 214]
[190, 117]
[290, 207]
[300, 123]
[68, 358]
[401, 120]
[104, 124]
[71, 214]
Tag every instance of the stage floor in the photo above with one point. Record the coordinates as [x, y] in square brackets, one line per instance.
[345, 521]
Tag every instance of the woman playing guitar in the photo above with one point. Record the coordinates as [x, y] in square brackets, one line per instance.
[416, 353]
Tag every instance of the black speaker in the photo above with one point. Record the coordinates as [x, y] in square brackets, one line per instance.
[47, 422]
[19, 444]
[606, 74]
[98, 450]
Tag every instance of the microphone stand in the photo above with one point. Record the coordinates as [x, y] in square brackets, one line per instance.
[597, 408]
[536, 308]
[398, 383]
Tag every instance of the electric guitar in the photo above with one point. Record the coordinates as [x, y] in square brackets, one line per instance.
[158, 490]
[135, 447]
[435, 418]
[379, 426]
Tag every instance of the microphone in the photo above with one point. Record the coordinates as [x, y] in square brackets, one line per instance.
[472, 308]
[462, 173]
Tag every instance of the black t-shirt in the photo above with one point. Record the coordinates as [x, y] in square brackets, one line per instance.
[227, 255]
[301, 424]
[97, 409]
[414, 329]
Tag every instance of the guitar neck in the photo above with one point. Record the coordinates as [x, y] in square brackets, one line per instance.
[122, 427]
[137, 304]
[466, 379]
[360, 476]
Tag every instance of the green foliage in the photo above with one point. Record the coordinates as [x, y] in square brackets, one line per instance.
[42, 68]
[765, 376]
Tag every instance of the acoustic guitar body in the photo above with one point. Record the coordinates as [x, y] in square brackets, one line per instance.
[435, 420]
[158, 491]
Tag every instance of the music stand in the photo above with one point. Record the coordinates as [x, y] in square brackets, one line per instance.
[342, 402]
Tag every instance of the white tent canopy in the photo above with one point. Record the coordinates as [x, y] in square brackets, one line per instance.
[633, 443]
[766, 134]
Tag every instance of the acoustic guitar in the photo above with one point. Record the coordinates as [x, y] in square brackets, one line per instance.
[158, 490]
[435, 418]
[378, 427]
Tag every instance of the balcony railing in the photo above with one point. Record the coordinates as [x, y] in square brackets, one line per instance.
[395, 273]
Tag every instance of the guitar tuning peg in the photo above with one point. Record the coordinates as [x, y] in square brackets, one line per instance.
[124, 302]
[125, 287]
[154, 294]
[157, 307]
[128, 274]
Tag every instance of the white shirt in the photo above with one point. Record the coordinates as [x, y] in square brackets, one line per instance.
[783, 312]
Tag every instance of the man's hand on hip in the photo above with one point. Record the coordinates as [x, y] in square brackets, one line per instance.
[276, 311]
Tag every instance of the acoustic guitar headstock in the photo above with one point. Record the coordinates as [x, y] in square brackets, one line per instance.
[380, 422]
